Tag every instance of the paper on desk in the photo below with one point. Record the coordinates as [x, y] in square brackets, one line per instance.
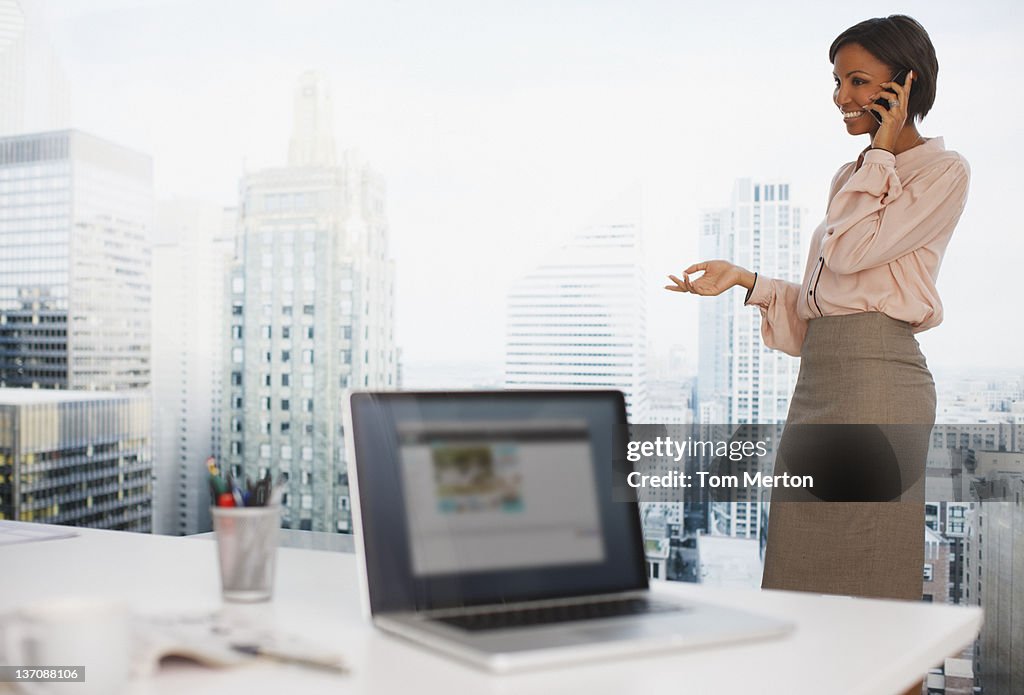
[208, 639]
[12, 532]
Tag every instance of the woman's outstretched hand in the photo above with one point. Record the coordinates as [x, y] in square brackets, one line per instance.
[718, 277]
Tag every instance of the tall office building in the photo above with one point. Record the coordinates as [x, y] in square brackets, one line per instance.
[34, 92]
[311, 315]
[191, 258]
[740, 381]
[74, 262]
[76, 457]
[578, 320]
[993, 577]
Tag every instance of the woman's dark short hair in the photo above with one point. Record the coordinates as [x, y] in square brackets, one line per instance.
[900, 42]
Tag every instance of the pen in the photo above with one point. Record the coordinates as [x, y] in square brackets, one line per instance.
[278, 492]
[285, 657]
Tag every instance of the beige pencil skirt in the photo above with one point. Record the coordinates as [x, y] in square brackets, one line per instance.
[859, 369]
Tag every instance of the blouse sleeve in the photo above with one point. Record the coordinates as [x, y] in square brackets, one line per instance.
[875, 219]
[781, 328]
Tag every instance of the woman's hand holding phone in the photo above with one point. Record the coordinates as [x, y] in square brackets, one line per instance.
[892, 117]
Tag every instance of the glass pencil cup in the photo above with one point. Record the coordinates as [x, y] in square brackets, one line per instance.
[247, 551]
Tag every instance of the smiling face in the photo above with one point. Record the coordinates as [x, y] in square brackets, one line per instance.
[858, 75]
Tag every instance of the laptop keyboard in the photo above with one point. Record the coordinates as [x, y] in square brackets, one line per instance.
[546, 615]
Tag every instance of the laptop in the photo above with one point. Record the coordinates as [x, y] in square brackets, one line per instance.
[487, 530]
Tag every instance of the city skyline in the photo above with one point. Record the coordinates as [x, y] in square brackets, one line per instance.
[489, 159]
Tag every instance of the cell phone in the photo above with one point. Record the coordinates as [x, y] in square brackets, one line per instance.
[901, 78]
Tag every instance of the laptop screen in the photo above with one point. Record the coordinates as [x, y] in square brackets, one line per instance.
[487, 497]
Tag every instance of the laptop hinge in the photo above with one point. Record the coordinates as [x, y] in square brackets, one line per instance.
[539, 603]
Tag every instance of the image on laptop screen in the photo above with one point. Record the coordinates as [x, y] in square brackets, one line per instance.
[491, 495]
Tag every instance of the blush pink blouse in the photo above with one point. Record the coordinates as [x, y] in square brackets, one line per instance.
[879, 247]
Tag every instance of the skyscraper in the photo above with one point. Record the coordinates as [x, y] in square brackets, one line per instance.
[760, 230]
[740, 381]
[78, 458]
[74, 262]
[578, 320]
[34, 92]
[310, 314]
[191, 257]
[993, 571]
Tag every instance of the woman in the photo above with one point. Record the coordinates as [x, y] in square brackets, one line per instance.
[869, 286]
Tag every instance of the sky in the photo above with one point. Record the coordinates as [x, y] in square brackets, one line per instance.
[501, 127]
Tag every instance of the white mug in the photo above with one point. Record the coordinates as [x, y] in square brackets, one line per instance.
[71, 631]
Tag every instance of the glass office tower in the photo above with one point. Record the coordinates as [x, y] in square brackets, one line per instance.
[578, 320]
[34, 90]
[76, 458]
[741, 381]
[74, 262]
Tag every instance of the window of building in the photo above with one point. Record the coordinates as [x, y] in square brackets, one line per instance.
[285, 404]
[236, 355]
[264, 451]
[286, 379]
[265, 403]
[307, 453]
[928, 571]
[286, 451]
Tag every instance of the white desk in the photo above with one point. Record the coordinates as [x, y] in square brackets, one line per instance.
[841, 645]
